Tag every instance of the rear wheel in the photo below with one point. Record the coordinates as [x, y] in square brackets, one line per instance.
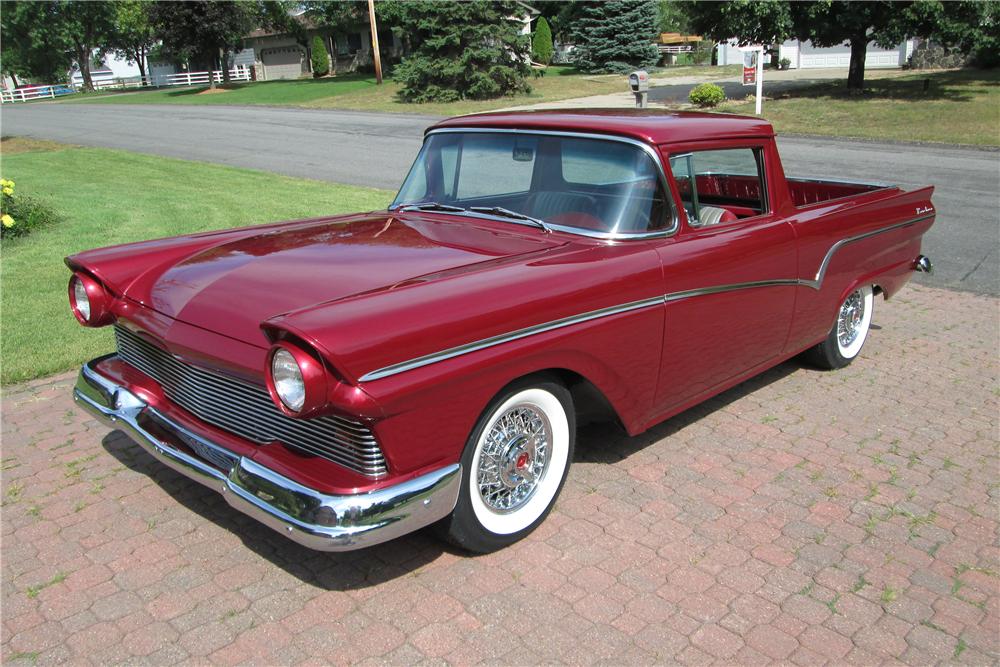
[849, 332]
[513, 467]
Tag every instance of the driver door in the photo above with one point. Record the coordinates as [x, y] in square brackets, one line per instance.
[729, 276]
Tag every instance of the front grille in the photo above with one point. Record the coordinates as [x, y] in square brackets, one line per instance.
[247, 410]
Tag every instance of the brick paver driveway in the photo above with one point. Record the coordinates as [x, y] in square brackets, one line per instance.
[804, 517]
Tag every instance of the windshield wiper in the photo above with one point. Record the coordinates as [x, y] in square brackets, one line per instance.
[507, 213]
[430, 206]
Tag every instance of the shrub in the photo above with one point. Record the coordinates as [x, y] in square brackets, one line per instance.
[541, 42]
[706, 95]
[784, 63]
[20, 215]
[320, 57]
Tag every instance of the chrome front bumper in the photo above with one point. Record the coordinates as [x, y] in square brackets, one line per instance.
[313, 519]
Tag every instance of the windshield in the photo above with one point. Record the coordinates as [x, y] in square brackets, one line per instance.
[571, 183]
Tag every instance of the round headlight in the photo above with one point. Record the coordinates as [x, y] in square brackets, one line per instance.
[90, 302]
[80, 299]
[287, 378]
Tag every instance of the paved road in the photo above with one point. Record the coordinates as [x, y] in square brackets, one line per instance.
[803, 518]
[376, 150]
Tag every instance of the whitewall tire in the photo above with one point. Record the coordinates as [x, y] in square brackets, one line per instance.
[849, 332]
[514, 465]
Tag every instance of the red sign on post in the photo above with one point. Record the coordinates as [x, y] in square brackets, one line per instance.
[749, 68]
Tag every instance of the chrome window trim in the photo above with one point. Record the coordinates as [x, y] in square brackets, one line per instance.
[606, 236]
[493, 341]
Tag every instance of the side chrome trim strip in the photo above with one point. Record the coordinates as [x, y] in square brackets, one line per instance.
[702, 291]
[450, 353]
[493, 341]
[816, 282]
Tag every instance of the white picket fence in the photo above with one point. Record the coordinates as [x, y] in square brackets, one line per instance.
[35, 93]
[238, 73]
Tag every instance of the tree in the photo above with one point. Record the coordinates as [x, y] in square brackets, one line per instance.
[541, 42]
[462, 50]
[616, 35]
[88, 26]
[673, 16]
[829, 23]
[832, 22]
[28, 49]
[132, 36]
[971, 26]
[205, 29]
[320, 57]
[746, 21]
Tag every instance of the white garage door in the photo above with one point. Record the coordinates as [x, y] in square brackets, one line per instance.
[874, 59]
[283, 63]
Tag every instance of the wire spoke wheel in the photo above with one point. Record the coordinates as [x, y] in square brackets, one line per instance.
[852, 313]
[514, 458]
[514, 465]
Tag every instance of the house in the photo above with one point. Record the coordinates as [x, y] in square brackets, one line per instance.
[805, 55]
[284, 55]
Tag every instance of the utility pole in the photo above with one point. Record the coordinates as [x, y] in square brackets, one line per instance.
[375, 54]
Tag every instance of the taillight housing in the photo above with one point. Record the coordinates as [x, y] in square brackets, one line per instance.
[90, 302]
[296, 380]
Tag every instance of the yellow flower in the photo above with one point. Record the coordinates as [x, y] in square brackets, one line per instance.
[7, 221]
[5, 183]
[8, 190]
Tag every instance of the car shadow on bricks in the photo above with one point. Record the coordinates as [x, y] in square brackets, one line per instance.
[607, 442]
[328, 570]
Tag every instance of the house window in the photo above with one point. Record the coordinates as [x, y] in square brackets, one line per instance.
[354, 42]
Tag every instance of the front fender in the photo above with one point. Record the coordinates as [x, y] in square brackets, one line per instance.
[431, 410]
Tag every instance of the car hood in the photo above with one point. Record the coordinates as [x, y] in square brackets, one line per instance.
[233, 286]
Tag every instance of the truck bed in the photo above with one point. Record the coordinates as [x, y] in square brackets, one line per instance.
[807, 191]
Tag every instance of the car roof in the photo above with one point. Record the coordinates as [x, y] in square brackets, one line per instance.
[650, 125]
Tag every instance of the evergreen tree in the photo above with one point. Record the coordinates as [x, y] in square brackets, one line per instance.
[320, 57]
[541, 42]
[463, 50]
[616, 36]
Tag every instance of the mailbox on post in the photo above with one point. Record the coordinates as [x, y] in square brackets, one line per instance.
[639, 83]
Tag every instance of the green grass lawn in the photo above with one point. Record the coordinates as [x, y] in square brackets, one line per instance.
[275, 93]
[106, 197]
[360, 92]
[961, 107]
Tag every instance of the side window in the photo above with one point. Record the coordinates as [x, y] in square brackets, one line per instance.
[720, 186]
[491, 165]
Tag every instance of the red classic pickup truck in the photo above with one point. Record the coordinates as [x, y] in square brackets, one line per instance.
[347, 380]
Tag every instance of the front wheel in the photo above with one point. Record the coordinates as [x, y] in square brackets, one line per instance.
[849, 332]
[513, 467]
